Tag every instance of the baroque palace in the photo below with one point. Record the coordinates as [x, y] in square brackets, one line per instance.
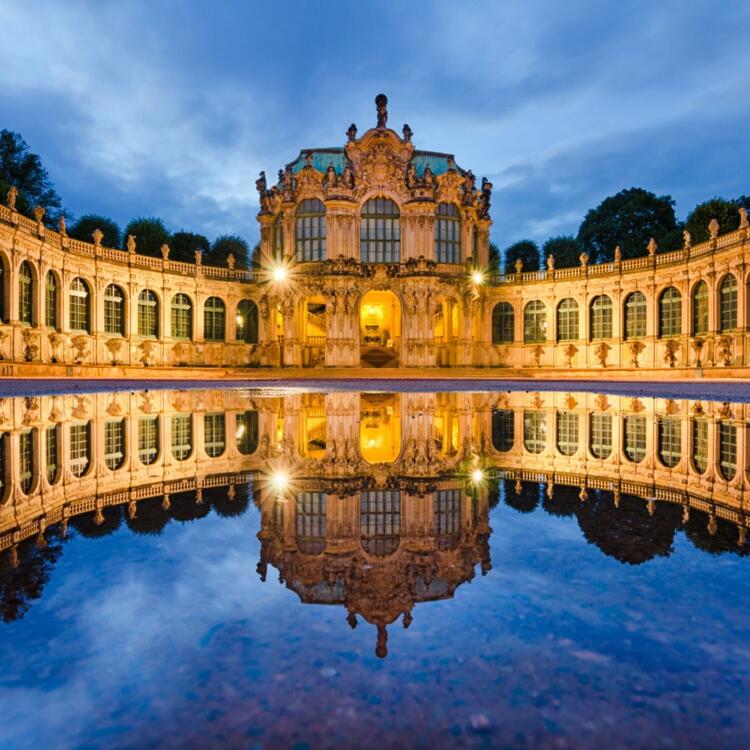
[373, 254]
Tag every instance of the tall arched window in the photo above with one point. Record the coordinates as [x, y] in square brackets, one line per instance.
[52, 452]
[534, 431]
[380, 521]
[247, 321]
[148, 314]
[80, 306]
[213, 319]
[670, 441]
[600, 438]
[727, 450]
[503, 323]
[246, 433]
[80, 448]
[567, 432]
[50, 301]
[700, 444]
[114, 310]
[447, 234]
[214, 434]
[567, 320]
[277, 238]
[670, 312]
[380, 232]
[27, 460]
[503, 430]
[148, 440]
[635, 438]
[728, 304]
[114, 443]
[700, 309]
[635, 316]
[182, 317]
[25, 294]
[601, 317]
[182, 436]
[534, 322]
[311, 230]
[310, 522]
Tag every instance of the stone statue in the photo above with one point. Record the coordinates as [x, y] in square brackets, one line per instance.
[519, 265]
[330, 175]
[743, 218]
[713, 228]
[348, 176]
[687, 240]
[428, 177]
[583, 259]
[381, 103]
[550, 262]
[165, 252]
[12, 195]
[618, 254]
[61, 227]
[470, 182]
[198, 258]
[411, 175]
[351, 133]
[486, 195]
[652, 247]
[230, 261]
[407, 131]
[261, 185]
[97, 236]
[130, 243]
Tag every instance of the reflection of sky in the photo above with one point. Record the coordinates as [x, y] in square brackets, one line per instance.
[139, 639]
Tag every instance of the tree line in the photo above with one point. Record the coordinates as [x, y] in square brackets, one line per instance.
[22, 169]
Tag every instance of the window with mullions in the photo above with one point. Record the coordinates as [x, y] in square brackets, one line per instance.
[3, 462]
[503, 323]
[670, 313]
[25, 294]
[182, 436]
[213, 319]
[148, 440]
[700, 309]
[700, 445]
[247, 322]
[534, 323]
[380, 232]
[600, 438]
[447, 234]
[601, 317]
[277, 238]
[635, 316]
[148, 314]
[635, 438]
[310, 522]
[534, 431]
[182, 317]
[80, 448]
[114, 443]
[26, 458]
[567, 432]
[567, 320]
[52, 452]
[670, 441]
[727, 450]
[4, 276]
[503, 430]
[214, 434]
[447, 518]
[728, 304]
[310, 232]
[114, 310]
[247, 432]
[380, 521]
[80, 307]
[50, 301]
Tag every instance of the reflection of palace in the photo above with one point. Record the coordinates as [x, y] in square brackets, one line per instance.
[374, 253]
[374, 502]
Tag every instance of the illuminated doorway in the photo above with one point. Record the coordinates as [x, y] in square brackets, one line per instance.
[380, 427]
[380, 329]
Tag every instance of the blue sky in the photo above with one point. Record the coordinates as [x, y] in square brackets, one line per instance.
[172, 108]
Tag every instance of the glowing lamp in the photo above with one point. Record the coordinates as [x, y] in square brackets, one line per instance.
[279, 273]
[477, 476]
[280, 481]
[477, 277]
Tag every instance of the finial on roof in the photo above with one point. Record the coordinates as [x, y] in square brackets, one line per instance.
[381, 102]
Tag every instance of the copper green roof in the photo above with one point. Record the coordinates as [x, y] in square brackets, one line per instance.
[322, 157]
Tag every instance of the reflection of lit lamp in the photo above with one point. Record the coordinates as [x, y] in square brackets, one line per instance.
[240, 320]
[279, 481]
[279, 274]
[240, 431]
[477, 476]
[371, 442]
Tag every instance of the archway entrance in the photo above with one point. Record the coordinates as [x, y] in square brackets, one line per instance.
[379, 427]
[380, 329]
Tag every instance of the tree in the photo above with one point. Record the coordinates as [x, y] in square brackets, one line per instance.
[23, 170]
[494, 259]
[565, 249]
[724, 211]
[525, 250]
[84, 227]
[184, 245]
[629, 219]
[223, 246]
[150, 235]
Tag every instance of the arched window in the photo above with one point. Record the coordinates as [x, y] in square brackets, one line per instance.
[148, 314]
[600, 426]
[534, 323]
[503, 323]
[4, 277]
[26, 440]
[247, 322]
[567, 432]
[182, 436]
[310, 522]
[182, 317]
[246, 433]
[148, 440]
[534, 431]
[50, 301]
[214, 434]
[380, 232]
[567, 320]
[670, 313]
[670, 441]
[80, 448]
[447, 234]
[635, 316]
[635, 438]
[700, 309]
[600, 318]
[25, 294]
[114, 443]
[213, 319]
[114, 312]
[380, 521]
[80, 306]
[728, 304]
[447, 518]
[52, 453]
[277, 239]
[700, 445]
[727, 450]
[311, 230]
[503, 430]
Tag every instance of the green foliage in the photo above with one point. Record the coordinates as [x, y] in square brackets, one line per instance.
[84, 227]
[223, 246]
[629, 219]
[150, 235]
[527, 251]
[724, 211]
[255, 256]
[23, 169]
[564, 249]
[184, 244]
[494, 259]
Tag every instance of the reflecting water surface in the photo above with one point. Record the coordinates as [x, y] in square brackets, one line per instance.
[263, 569]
